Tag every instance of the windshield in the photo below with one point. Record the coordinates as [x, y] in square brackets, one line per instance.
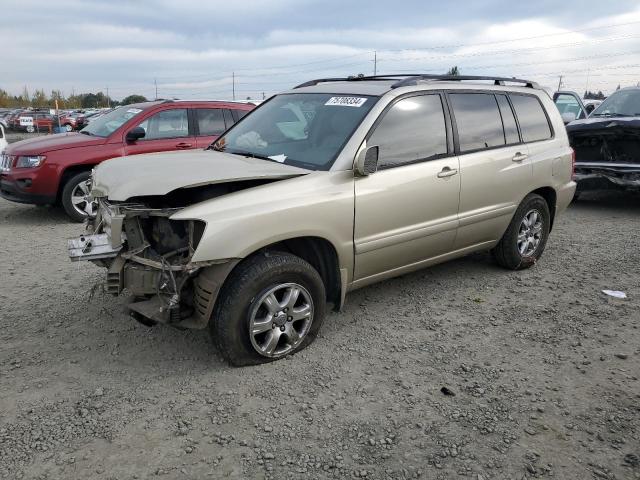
[108, 123]
[306, 130]
[620, 103]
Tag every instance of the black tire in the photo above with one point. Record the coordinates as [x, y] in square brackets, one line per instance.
[67, 191]
[229, 324]
[506, 253]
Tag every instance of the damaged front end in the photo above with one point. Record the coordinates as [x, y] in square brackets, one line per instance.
[149, 255]
[607, 154]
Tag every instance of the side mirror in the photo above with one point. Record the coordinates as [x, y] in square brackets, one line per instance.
[134, 134]
[367, 162]
[590, 108]
[568, 117]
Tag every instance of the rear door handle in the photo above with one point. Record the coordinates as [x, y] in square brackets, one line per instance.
[519, 157]
[183, 145]
[447, 172]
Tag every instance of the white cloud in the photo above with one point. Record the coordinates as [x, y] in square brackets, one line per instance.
[192, 47]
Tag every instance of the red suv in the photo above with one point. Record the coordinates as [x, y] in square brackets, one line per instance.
[54, 169]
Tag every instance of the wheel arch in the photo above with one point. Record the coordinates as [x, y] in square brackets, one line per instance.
[550, 196]
[67, 174]
[320, 253]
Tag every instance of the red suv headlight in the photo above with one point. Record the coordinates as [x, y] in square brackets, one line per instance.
[29, 161]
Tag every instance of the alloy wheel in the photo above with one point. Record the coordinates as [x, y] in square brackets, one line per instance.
[280, 319]
[81, 200]
[530, 233]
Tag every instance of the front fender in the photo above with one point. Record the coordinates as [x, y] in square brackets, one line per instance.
[316, 205]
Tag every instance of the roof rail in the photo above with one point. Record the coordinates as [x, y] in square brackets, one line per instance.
[414, 78]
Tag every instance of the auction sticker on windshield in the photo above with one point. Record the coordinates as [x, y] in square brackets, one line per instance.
[346, 101]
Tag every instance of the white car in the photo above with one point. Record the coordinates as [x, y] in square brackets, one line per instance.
[3, 139]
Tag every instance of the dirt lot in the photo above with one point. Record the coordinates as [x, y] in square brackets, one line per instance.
[544, 368]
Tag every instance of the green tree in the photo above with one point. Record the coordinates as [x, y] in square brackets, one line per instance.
[39, 99]
[133, 99]
[454, 71]
[5, 99]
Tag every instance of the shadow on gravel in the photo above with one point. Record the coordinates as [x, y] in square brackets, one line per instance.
[614, 200]
[17, 214]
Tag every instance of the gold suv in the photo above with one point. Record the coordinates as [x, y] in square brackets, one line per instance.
[328, 187]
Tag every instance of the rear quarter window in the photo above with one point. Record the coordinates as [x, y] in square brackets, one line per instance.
[478, 121]
[532, 118]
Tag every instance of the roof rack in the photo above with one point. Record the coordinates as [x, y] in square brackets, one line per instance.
[413, 78]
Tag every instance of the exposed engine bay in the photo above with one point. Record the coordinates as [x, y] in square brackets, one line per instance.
[149, 255]
[606, 157]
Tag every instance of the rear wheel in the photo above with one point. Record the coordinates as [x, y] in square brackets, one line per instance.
[272, 305]
[523, 243]
[75, 198]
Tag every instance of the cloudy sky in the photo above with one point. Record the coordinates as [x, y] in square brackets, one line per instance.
[193, 48]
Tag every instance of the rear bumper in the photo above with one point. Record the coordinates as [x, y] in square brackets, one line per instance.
[564, 196]
[13, 192]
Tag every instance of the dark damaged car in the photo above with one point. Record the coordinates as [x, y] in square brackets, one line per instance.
[607, 144]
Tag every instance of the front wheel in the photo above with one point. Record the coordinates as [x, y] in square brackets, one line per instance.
[75, 198]
[272, 305]
[68, 128]
[522, 244]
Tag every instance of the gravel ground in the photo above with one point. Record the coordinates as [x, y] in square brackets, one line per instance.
[540, 370]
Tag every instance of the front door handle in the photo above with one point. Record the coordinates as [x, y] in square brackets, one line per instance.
[183, 145]
[447, 172]
[519, 157]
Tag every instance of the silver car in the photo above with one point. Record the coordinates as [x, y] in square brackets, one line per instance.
[328, 187]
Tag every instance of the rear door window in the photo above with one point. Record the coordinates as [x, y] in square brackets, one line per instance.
[210, 121]
[172, 123]
[412, 130]
[478, 121]
[508, 120]
[531, 117]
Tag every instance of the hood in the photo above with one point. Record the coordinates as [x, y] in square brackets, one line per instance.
[50, 143]
[160, 173]
[603, 124]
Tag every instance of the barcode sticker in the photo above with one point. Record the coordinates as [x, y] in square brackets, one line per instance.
[346, 101]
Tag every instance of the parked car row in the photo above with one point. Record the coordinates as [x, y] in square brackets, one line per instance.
[46, 120]
[286, 209]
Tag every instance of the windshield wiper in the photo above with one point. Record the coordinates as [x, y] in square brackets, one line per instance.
[86, 133]
[608, 114]
[253, 155]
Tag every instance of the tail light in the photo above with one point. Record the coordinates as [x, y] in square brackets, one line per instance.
[573, 164]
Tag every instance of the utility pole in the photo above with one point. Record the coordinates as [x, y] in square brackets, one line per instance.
[560, 83]
[233, 84]
[263, 95]
[586, 88]
[375, 62]
[155, 82]
[108, 99]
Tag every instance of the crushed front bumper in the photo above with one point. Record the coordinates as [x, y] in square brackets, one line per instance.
[602, 175]
[149, 256]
